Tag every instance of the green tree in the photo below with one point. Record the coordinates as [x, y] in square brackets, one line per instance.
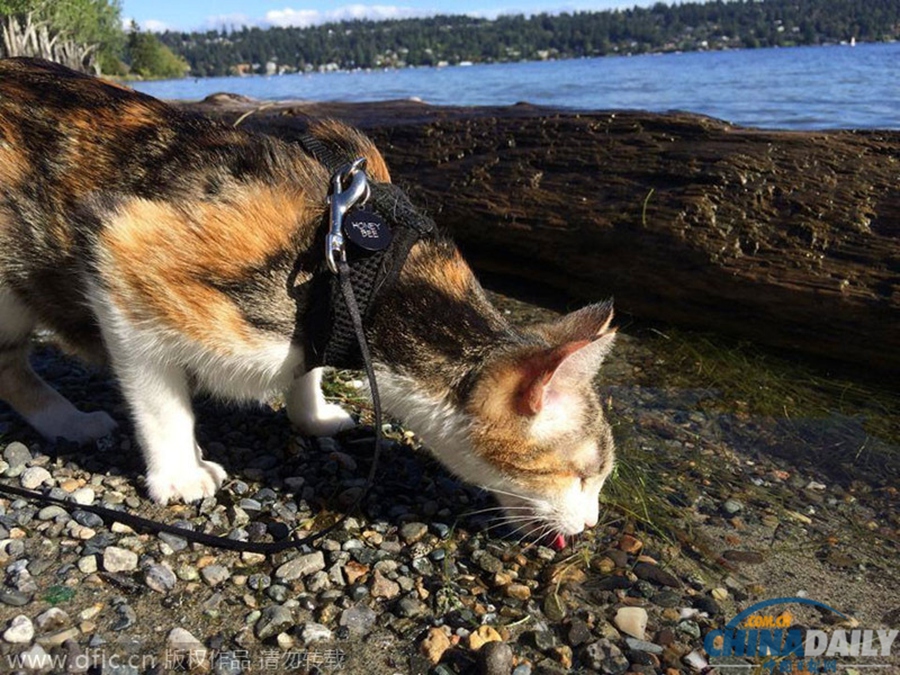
[77, 33]
[150, 58]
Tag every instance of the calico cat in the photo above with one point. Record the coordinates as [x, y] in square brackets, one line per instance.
[181, 251]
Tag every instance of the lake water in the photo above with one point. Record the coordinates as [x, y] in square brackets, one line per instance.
[788, 88]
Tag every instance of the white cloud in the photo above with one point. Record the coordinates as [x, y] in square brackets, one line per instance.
[310, 17]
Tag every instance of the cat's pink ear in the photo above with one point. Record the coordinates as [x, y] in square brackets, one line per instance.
[583, 339]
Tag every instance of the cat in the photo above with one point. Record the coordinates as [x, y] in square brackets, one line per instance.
[180, 251]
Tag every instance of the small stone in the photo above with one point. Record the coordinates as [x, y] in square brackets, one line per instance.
[315, 632]
[522, 669]
[544, 640]
[353, 571]
[215, 574]
[56, 638]
[14, 598]
[272, 621]
[412, 532]
[643, 646]
[495, 658]
[410, 607]
[301, 566]
[655, 574]
[52, 619]
[51, 512]
[359, 620]
[578, 633]
[126, 617]
[34, 476]
[732, 506]
[382, 587]
[117, 559]
[84, 496]
[181, 642]
[37, 658]
[20, 630]
[518, 591]
[689, 628]
[17, 456]
[434, 645]
[487, 562]
[160, 578]
[632, 621]
[630, 544]
[719, 594]
[483, 635]
[554, 607]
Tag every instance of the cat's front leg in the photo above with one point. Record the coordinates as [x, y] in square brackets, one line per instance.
[308, 410]
[158, 393]
[161, 405]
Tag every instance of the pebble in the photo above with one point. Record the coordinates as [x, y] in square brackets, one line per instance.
[117, 559]
[14, 598]
[34, 476]
[522, 669]
[630, 544]
[84, 496]
[160, 578]
[215, 574]
[434, 644]
[480, 637]
[410, 607]
[655, 574]
[413, 532]
[20, 631]
[578, 633]
[382, 587]
[643, 646]
[52, 619]
[554, 607]
[487, 562]
[301, 566]
[495, 658]
[272, 621]
[17, 455]
[732, 506]
[38, 658]
[182, 641]
[51, 512]
[632, 621]
[689, 628]
[315, 632]
[359, 620]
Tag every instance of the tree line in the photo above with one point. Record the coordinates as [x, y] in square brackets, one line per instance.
[88, 35]
[454, 39]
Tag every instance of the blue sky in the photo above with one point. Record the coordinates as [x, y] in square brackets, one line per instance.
[190, 15]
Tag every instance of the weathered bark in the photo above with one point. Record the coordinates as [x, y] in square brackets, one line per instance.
[788, 238]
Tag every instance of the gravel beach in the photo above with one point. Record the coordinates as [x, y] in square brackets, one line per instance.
[712, 509]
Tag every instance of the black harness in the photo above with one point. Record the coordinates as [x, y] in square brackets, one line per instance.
[381, 226]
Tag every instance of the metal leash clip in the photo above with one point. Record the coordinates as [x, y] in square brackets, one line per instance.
[349, 185]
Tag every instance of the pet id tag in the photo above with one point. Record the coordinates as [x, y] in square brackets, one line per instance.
[367, 229]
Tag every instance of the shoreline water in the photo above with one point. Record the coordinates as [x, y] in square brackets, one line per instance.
[809, 88]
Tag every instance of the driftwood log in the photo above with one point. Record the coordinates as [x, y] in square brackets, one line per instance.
[791, 239]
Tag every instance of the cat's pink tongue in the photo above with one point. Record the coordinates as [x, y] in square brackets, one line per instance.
[558, 543]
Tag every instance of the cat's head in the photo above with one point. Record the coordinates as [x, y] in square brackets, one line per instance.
[533, 430]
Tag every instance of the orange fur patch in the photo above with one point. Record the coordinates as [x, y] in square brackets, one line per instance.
[164, 260]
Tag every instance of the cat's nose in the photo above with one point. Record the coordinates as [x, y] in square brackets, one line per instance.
[591, 521]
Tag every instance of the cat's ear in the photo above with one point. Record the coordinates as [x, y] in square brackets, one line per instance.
[581, 341]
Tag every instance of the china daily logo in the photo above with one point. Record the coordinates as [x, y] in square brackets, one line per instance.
[770, 638]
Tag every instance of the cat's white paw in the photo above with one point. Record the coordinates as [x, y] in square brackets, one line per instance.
[188, 484]
[73, 425]
[327, 420]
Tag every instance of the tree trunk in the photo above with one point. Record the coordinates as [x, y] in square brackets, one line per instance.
[791, 239]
